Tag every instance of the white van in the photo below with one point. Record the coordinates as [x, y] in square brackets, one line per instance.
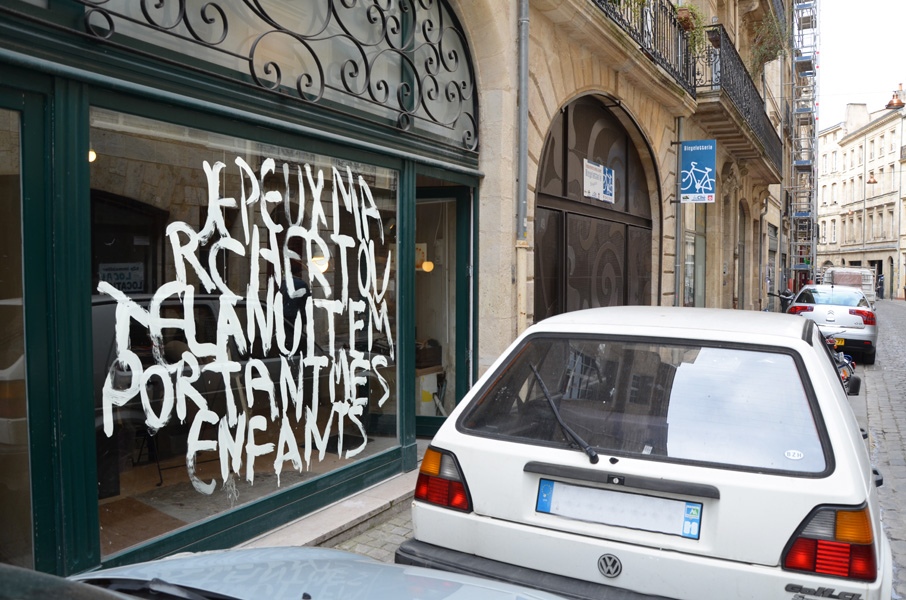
[853, 276]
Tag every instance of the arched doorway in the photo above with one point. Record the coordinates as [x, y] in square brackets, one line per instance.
[591, 252]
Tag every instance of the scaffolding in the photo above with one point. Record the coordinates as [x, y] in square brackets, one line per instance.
[801, 185]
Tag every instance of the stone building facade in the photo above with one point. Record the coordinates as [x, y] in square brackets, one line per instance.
[860, 201]
[726, 254]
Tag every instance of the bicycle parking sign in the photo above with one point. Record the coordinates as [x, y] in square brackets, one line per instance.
[698, 169]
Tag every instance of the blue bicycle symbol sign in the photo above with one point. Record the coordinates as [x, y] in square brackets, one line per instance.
[697, 183]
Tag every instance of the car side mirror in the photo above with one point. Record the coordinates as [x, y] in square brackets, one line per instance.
[854, 385]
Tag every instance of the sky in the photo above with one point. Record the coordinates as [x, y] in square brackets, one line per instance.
[860, 53]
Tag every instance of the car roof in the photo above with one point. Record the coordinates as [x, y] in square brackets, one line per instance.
[719, 323]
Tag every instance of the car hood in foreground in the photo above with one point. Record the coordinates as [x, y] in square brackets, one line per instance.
[322, 574]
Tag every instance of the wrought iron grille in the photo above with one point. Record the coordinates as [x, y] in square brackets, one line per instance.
[654, 26]
[720, 68]
[401, 62]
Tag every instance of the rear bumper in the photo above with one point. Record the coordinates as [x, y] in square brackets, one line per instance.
[421, 554]
[567, 564]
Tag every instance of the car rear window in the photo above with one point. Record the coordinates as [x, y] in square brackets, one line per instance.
[745, 408]
[837, 297]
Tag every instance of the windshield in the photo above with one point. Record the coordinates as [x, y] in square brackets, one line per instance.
[737, 407]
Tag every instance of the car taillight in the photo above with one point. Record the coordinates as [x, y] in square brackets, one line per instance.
[868, 317]
[837, 542]
[441, 482]
[795, 310]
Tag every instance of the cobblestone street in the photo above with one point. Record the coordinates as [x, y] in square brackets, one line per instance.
[880, 407]
[381, 541]
[883, 389]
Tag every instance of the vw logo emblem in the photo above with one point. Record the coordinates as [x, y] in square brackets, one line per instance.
[610, 566]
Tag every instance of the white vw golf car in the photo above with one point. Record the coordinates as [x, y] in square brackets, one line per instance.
[650, 452]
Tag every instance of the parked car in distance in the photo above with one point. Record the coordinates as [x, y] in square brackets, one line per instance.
[652, 452]
[294, 573]
[843, 312]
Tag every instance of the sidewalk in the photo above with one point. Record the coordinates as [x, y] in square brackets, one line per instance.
[373, 508]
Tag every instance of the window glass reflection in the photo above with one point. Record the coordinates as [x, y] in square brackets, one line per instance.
[15, 489]
[244, 322]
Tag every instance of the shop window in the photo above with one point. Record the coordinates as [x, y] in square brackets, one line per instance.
[15, 489]
[244, 321]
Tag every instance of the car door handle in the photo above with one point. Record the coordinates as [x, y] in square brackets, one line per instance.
[879, 479]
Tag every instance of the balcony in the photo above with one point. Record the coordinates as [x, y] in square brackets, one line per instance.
[657, 31]
[731, 110]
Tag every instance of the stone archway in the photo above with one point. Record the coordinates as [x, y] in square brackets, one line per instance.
[591, 252]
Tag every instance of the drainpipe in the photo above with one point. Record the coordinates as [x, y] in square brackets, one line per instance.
[522, 172]
[678, 218]
[764, 211]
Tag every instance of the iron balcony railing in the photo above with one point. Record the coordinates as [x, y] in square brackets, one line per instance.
[654, 26]
[720, 68]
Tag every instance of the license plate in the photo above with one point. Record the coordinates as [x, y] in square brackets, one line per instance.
[839, 341]
[620, 509]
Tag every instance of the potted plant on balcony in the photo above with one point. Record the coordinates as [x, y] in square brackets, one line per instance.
[692, 21]
[770, 42]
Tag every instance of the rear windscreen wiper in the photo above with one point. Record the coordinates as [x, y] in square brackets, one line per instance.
[592, 455]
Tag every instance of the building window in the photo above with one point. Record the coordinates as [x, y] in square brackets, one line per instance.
[266, 353]
[871, 149]
[892, 139]
[824, 163]
[834, 193]
[852, 191]
[881, 147]
[861, 154]
[844, 191]
[833, 231]
[824, 194]
[834, 162]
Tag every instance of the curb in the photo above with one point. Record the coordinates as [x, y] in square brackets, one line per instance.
[345, 518]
